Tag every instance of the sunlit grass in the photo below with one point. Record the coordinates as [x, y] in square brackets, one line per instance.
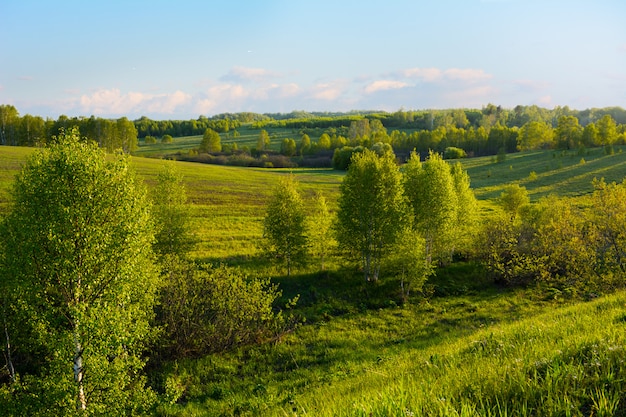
[248, 137]
[480, 350]
[557, 172]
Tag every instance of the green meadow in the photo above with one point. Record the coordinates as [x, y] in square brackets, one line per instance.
[247, 136]
[463, 347]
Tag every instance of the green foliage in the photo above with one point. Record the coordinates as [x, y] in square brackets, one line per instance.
[608, 214]
[568, 134]
[263, 142]
[211, 142]
[452, 152]
[284, 225]
[556, 244]
[372, 209]
[466, 222]
[433, 199]
[79, 282]
[167, 139]
[343, 157]
[408, 262]
[320, 221]
[507, 254]
[208, 309]
[607, 131]
[288, 147]
[171, 214]
[513, 198]
[324, 141]
[535, 135]
[305, 144]
[563, 241]
[381, 148]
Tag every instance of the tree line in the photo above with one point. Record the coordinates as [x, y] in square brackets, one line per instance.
[335, 146]
[424, 130]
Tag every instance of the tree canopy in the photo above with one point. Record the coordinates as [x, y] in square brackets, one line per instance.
[284, 225]
[78, 280]
[372, 209]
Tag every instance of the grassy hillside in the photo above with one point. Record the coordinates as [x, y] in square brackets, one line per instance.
[493, 354]
[471, 348]
[228, 202]
[247, 137]
[564, 173]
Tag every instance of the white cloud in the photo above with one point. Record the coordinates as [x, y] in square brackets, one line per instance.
[205, 106]
[276, 91]
[426, 74]
[328, 91]
[382, 85]
[451, 74]
[114, 102]
[466, 74]
[168, 103]
[471, 97]
[531, 85]
[244, 74]
[227, 92]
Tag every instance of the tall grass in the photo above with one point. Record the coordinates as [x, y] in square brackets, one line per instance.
[494, 354]
[564, 362]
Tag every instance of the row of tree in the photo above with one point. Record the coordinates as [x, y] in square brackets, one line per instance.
[486, 117]
[35, 131]
[469, 129]
[452, 142]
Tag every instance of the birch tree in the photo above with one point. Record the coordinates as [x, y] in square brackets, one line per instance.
[284, 225]
[171, 215]
[321, 240]
[372, 209]
[79, 270]
[433, 199]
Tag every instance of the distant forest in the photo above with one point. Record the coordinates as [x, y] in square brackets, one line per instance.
[487, 131]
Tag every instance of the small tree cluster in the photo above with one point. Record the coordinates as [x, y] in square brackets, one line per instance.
[404, 219]
[556, 243]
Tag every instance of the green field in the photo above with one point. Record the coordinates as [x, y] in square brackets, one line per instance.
[467, 348]
[228, 203]
[247, 137]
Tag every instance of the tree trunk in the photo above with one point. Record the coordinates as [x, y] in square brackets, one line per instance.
[10, 366]
[81, 401]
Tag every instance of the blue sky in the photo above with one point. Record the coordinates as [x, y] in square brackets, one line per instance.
[181, 59]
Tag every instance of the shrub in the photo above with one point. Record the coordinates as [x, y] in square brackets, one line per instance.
[212, 309]
[452, 152]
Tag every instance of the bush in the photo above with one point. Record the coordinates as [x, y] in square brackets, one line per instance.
[452, 152]
[208, 309]
[167, 139]
[343, 156]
